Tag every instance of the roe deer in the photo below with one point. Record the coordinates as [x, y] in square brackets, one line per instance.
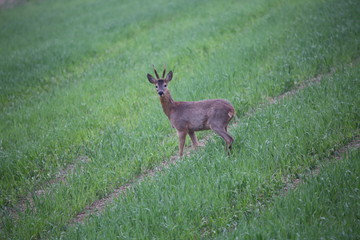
[188, 117]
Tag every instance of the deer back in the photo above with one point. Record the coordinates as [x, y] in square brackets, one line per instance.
[201, 115]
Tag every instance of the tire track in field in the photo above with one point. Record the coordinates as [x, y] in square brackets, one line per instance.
[292, 183]
[97, 207]
[27, 202]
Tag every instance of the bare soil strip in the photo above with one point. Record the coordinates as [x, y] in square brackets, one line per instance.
[337, 155]
[28, 200]
[98, 206]
[292, 92]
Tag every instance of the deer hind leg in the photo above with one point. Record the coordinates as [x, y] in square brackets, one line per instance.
[194, 139]
[222, 132]
[182, 137]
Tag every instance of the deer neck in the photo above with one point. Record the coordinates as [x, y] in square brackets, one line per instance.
[167, 103]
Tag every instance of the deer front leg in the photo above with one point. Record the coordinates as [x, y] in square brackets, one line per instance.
[182, 137]
[193, 139]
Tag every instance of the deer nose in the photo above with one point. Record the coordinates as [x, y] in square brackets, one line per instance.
[160, 93]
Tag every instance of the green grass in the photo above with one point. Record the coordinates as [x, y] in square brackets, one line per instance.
[324, 207]
[73, 84]
[207, 193]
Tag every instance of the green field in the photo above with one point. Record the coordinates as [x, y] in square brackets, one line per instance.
[78, 119]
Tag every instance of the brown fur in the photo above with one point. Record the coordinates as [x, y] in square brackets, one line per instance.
[189, 117]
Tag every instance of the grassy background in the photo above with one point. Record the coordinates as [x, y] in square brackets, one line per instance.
[207, 194]
[324, 207]
[73, 87]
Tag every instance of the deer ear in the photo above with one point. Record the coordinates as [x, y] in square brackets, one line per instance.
[151, 78]
[169, 76]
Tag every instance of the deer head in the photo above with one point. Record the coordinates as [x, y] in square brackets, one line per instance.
[160, 83]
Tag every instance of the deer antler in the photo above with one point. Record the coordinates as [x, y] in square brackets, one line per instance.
[163, 75]
[157, 76]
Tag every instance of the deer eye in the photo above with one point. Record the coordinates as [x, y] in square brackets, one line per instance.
[156, 86]
[165, 85]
